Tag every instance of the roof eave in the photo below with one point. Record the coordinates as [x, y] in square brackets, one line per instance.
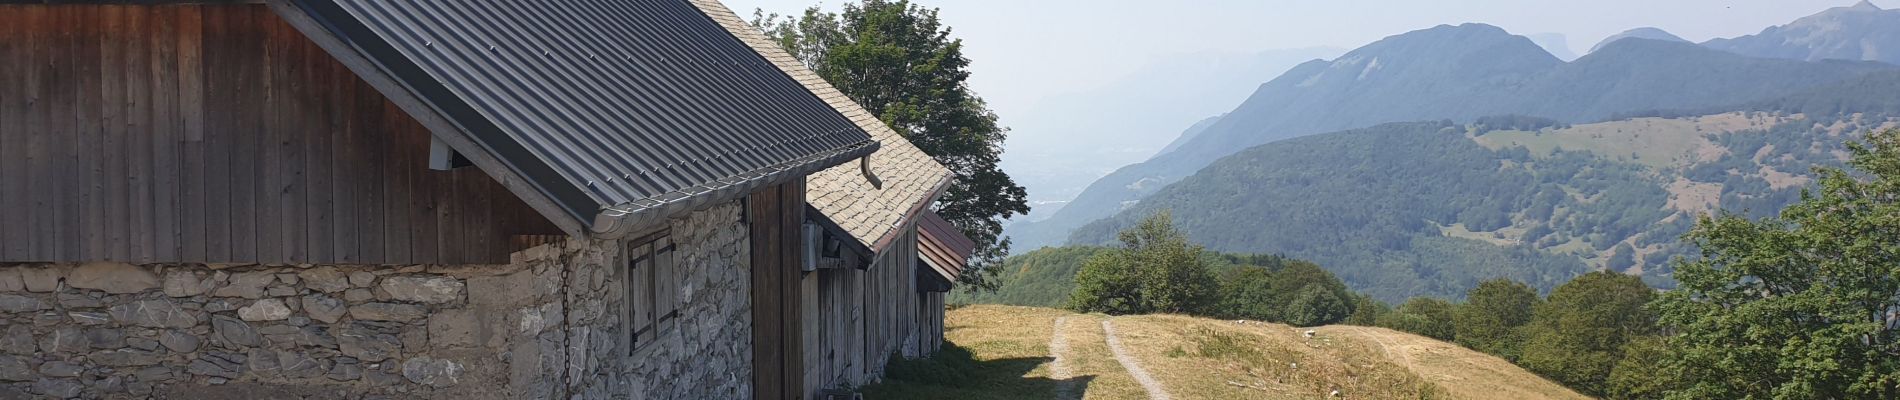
[623, 219]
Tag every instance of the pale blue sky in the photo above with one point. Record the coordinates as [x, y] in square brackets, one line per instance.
[1023, 51]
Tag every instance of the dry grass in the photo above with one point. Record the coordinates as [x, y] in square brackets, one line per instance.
[1090, 357]
[1459, 372]
[1002, 332]
[1656, 142]
[993, 352]
[1779, 180]
[1506, 236]
[1198, 358]
[1004, 355]
[1694, 197]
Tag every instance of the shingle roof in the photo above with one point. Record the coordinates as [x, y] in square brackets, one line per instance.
[629, 104]
[910, 178]
[943, 247]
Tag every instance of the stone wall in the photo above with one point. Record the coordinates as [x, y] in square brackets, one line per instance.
[545, 326]
[121, 330]
[706, 355]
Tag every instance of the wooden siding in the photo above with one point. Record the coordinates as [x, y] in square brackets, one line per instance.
[219, 134]
[774, 216]
[856, 320]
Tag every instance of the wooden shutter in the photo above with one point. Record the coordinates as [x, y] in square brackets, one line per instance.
[666, 282]
[640, 293]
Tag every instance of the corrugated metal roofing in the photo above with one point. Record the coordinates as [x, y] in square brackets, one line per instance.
[601, 102]
[942, 246]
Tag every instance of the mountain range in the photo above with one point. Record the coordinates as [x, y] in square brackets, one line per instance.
[1119, 119]
[1859, 32]
[1639, 33]
[1457, 72]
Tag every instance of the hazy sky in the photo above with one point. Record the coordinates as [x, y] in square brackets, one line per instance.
[1025, 50]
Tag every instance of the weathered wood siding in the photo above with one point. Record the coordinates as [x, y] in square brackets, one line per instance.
[856, 320]
[218, 133]
[930, 326]
[774, 216]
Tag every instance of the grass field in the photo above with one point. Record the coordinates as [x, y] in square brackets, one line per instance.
[1656, 142]
[1004, 352]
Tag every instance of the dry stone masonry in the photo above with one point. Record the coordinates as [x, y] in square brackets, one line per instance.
[546, 326]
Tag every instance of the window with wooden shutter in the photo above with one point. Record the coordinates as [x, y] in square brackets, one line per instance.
[652, 290]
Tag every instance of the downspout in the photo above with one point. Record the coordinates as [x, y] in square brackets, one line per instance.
[864, 165]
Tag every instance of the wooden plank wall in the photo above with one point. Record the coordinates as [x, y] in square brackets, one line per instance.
[219, 134]
[856, 320]
[774, 216]
[835, 334]
[930, 328]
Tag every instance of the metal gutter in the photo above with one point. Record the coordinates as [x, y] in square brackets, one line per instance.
[620, 220]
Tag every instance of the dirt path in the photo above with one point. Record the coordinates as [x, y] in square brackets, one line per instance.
[1148, 382]
[1404, 358]
[1059, 368]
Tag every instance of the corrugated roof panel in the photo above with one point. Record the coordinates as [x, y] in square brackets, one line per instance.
[944, 247]
[618, 100]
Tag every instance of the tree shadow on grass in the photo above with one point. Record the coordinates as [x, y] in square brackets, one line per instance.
[955, 373]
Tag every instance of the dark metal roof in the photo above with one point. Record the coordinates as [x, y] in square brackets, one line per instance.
[943, 247]
[602, 103]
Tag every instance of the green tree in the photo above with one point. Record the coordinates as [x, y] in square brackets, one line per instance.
[1156, 270]
[1315, 305]
[1804, 305]
[1622, 257]
[1246, 292]
[1577, 335]
[1283, 290]
[1423, 316]
[1492, 313]
[899, 61]
[1642, 373]
[1107, 283]
[1366, 311]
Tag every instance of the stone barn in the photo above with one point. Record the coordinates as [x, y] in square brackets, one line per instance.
[444, 199]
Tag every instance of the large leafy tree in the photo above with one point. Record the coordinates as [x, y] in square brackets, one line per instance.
[1800, 306]
[1155, 271]
[899, 61]
[1577, 335]
[1491, 315]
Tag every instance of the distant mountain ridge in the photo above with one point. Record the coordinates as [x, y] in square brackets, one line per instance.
[1189, 134]
[1459, 73]
[1430, 208]
[1639, 33]
[1556, 43]
[1859, 32]
[1127, 120]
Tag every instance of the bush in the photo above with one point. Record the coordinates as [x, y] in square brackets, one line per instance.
[1423, 316]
